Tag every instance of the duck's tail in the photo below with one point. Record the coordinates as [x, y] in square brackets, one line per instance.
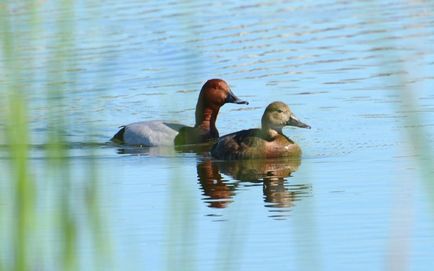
[119, 136]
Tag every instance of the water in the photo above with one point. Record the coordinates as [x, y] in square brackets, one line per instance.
[360, 74]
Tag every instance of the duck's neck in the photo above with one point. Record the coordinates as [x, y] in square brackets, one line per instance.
[206, 117]
[270, 133]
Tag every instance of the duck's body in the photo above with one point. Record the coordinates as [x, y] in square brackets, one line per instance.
[148, 133]
[267, 142]
[214, 94]
[253, 143]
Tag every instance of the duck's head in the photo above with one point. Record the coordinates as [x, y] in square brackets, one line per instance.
[278, 115]
[216, 92]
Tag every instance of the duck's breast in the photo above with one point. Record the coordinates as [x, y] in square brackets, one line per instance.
[151, 133]
[282, 147]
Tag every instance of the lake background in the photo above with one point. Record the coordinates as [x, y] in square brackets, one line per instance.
[360, 73]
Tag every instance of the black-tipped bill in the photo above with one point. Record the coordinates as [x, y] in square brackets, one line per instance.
[234, 99]
[293, 121]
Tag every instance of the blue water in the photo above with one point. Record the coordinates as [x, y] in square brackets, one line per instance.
[358, 73]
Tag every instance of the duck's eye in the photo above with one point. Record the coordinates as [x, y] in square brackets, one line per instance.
[279, 111]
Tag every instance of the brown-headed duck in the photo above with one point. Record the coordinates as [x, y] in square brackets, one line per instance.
[267, 142]
[214, 94]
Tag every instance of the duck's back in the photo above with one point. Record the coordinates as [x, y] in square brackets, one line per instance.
[148, 133]
[240, 145]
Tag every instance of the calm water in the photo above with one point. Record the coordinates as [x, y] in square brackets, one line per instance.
[361, 74]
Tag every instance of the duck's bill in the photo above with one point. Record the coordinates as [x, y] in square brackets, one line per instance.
[234, 99]
[293, 121]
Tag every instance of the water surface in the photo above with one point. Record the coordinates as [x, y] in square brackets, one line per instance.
[360, 74]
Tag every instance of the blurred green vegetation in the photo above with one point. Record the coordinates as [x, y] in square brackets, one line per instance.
[40, 227]
[414, 131]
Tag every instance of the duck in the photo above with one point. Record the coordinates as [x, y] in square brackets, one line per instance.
[264, 143]
[214, 94]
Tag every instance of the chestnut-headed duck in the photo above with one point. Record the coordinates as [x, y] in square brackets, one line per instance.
[214, 94]
[267, 142]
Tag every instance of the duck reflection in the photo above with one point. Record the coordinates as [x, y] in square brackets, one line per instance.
[218, 191]
[271, 174]
[259, 169]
